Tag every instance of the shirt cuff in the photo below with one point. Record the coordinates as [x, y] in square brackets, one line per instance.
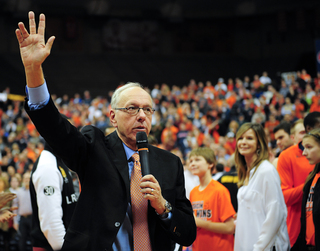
[166, 217]
[38, 96]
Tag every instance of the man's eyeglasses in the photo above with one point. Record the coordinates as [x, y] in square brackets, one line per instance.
[133, 110]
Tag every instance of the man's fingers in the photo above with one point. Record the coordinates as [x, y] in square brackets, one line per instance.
[32, 23]
[50, 42]
[7, 196]
[18, 35]
[10, 197]
[23, 31]
[42, 24]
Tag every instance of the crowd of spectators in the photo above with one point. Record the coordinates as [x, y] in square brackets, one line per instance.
[197, 114]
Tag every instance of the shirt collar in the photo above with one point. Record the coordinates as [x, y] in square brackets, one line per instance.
[301, 146]
[129, 152]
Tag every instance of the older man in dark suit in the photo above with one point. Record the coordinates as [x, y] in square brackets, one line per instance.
[104, 218]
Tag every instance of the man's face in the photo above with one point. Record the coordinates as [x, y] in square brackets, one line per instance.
[283, 139]
[128, 125]
[298, 134]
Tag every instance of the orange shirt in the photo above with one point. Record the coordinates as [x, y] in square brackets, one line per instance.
[174, 130]
[314, 99]
[306, 77]
[256, 84]
[231, 100]
[299, 111]
[219, 102]
[32, 155]
[270, 125]
[212, 204]
[31, 127]
[180, 112]
[216, 136]
[230, 146]
[200, 139]
[314, 108]
[316, 82]
[76, 120]
[189, 125]
[293, 169]
[309, 217]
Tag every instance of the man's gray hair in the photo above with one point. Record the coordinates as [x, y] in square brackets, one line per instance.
[115, 97]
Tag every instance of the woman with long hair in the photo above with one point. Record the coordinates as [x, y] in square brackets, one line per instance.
[309, 237]
[262, 212]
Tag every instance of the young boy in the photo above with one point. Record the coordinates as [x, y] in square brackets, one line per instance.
[211, 204]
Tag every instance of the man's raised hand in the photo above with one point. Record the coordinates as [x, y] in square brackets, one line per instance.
[33, 48]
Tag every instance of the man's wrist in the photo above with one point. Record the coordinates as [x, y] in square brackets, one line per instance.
[34, 75]
[167, 209]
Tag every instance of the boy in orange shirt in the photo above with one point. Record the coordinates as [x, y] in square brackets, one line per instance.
[211, 205]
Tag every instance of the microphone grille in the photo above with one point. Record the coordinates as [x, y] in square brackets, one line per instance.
[141, 139]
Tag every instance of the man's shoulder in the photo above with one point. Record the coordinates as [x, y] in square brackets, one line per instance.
[290, 151]
[93, 134]
[162, 152]
[90, 128]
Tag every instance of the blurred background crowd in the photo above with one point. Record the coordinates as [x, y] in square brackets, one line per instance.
[208, 113]
[196, 114]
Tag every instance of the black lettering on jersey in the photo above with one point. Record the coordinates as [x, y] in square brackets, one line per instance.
[48, 190]
[197, 204]
[204, 213]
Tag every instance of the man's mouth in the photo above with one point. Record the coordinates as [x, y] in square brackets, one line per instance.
[140, 128]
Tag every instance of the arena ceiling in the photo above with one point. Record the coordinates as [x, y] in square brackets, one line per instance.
[159, 9]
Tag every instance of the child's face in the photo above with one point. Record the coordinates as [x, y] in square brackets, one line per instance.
[199, 166]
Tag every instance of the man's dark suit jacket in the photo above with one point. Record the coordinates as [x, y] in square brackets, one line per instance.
[101, 164]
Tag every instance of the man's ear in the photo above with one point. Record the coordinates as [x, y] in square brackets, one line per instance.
[113, 119]
[308, 128]
[291, 137]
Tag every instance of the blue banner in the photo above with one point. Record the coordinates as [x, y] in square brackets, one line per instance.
[318, 54]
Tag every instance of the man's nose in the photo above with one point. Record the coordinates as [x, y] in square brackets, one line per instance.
[141, 113]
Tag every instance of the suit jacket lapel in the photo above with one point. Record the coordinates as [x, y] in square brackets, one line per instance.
[119, 158]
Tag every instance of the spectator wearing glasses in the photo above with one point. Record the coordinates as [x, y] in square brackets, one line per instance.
[104, 218]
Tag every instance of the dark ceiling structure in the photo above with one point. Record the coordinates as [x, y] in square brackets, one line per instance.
[201, 39]
[158, 9]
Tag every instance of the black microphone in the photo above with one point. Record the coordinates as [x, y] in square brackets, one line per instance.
[142, 143]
